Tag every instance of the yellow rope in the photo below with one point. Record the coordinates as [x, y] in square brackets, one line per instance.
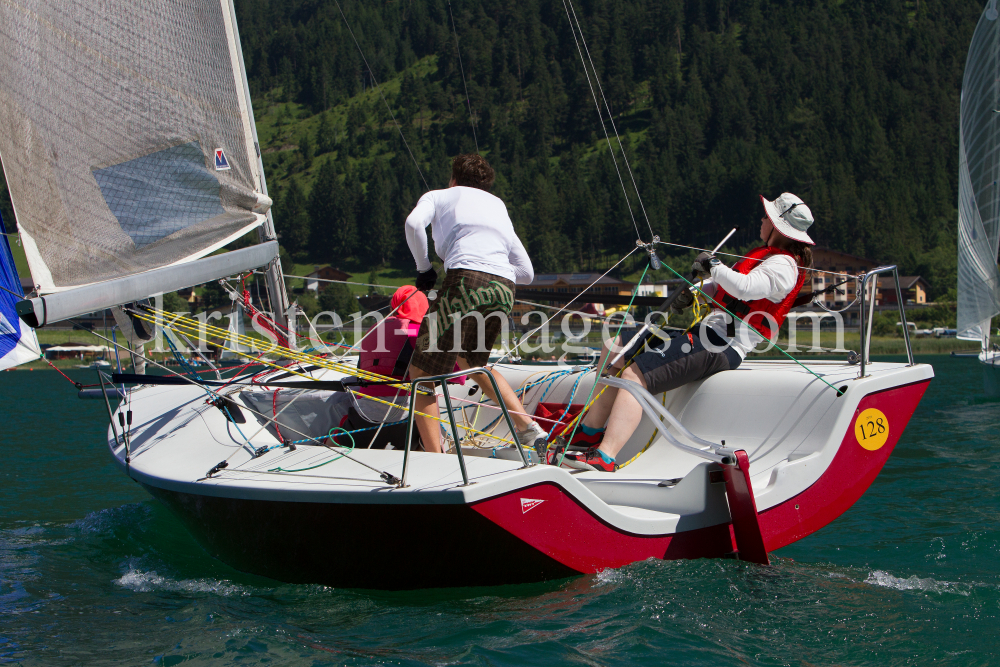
[663, 402]
[301, 356]
[191, 325]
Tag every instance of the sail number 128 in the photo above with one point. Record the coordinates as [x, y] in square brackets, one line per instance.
[872, 429]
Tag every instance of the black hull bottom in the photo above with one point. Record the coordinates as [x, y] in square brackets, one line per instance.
[387, 547]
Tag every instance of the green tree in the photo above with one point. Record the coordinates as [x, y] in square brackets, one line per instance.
[306, 150]
[381, 232]
[174, 303]
[322, 208]
[325, 138]
[348, 202]
[337, 298]
[292, 221]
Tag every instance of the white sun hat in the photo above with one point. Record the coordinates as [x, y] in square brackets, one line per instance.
[790, 216]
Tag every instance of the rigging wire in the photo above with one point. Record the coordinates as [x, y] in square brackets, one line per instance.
[264, 417]
[733, 254]
[472, 116]
[604, 127]
[598, 374]
[525, 337]
[382, 95]
[611, 119]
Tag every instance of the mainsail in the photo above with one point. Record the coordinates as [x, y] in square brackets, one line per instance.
[979, 173]
[125, 134]
[18, 343]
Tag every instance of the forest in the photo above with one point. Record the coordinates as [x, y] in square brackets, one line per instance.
[852, 105]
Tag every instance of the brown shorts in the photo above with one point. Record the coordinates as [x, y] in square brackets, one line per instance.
[466, 318]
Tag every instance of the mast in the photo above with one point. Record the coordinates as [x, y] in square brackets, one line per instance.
[991, 15]
[276, 292]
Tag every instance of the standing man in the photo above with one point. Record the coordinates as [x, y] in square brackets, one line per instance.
[483, 259]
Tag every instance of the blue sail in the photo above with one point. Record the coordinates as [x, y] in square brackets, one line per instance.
[18, 343]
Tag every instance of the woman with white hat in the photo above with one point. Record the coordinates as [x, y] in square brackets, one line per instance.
[759, 290]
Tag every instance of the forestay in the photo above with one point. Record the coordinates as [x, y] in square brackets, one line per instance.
[125, 135]
[979, 171]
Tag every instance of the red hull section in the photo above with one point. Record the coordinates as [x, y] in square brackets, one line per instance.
[547, 518]
[851, 472]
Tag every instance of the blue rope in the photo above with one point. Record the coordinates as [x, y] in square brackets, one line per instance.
[114, 339]
[569, 404]
[551, 378]
[212, 394]
[188, 368]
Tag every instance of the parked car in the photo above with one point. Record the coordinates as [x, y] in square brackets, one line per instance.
[941, 332]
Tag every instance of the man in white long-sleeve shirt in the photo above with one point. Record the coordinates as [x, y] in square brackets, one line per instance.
[483, 260]
[759, 290]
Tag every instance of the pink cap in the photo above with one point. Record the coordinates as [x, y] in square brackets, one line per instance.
[414, 307]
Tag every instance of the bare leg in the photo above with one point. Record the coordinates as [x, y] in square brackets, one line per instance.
[430, 433]
[510, 399]
[599, 412]
[625, 416]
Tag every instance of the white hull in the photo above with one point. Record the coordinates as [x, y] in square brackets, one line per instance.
[990, 358]
[799, 436]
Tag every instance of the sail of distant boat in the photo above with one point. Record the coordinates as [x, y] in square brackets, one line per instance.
[979, 173]
[127, 139]
[18, 343]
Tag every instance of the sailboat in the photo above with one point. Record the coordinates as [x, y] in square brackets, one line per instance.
[978, 192]
[128, 140]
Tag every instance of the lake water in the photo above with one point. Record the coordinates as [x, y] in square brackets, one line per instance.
[92, 571]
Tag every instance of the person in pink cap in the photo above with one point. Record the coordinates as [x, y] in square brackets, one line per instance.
[387, 349]
[760, 290]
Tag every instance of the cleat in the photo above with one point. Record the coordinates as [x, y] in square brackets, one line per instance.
[541, 446]
[553, 452]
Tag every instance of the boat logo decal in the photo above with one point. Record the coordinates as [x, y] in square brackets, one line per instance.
[221, 163]
[872, 429]
[529, 504]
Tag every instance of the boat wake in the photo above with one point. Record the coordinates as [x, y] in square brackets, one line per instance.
[149, 581]
[915, 583]
[113, 518]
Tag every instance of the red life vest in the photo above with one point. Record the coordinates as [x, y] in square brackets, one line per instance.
[760, 306]
[396, 339]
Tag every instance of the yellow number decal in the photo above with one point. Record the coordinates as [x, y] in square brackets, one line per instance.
[872, 429]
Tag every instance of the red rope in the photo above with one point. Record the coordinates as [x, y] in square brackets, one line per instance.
[263, 320]
[71, 380]
[240, 370]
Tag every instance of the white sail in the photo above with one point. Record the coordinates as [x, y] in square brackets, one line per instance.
[125, 135]
[979, 173]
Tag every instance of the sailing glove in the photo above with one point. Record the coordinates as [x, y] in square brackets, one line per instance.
[702, 267]
[683, 300]
[426, 280]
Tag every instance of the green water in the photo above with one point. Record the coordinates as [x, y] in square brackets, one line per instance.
[94, 572]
